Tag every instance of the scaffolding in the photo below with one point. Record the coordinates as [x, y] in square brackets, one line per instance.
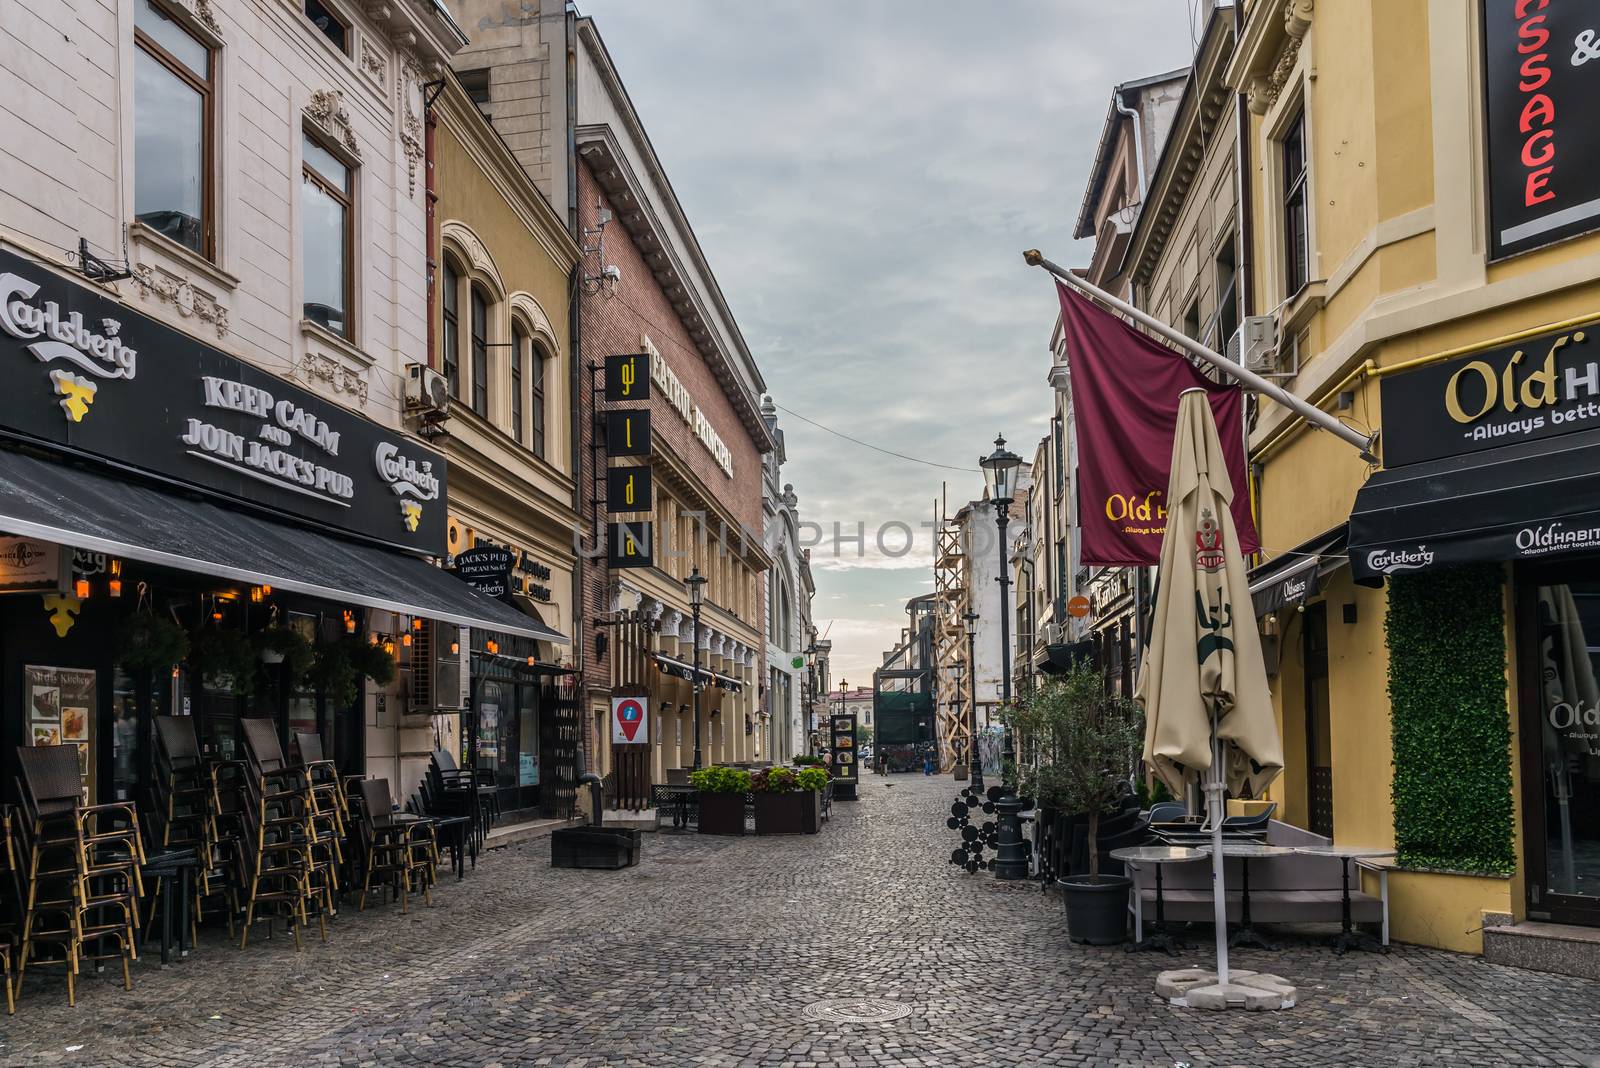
[953, 673]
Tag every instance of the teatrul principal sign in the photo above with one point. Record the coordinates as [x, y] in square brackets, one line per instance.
[1541, 80]
[90, 375]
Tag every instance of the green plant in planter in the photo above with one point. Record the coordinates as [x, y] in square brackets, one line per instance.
[218, 652]
[807, 761]
[774, 781]
[813, 778]
[146, 642]
[286, 646]
[1087, 742]
[720, 780]
[339, 666]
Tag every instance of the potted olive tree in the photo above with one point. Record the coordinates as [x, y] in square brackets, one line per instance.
[788, 801]
[1086, 744]
[721, 798]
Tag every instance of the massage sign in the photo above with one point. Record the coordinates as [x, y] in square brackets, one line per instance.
[91, 375]
[1541, 79]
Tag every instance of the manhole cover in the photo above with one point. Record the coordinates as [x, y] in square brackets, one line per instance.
[855, 1010]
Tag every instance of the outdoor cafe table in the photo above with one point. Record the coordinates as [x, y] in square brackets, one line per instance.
[1348, 937]
[1245, 852]
[1159, 937]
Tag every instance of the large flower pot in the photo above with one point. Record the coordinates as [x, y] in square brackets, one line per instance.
[798, 812]
[721, 813]
[1097, 913]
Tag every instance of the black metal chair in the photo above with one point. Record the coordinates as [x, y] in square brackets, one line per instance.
[398, 848]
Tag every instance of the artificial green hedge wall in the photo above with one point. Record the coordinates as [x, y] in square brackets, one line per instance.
[1451, 728]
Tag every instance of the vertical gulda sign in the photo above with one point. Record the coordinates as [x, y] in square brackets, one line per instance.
[1541, 80]
[629, 487]
[94, 376]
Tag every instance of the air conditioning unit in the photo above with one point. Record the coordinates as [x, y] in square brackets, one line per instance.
[1052, 633]
[1255, 344]
[426, 390]
[441, 671]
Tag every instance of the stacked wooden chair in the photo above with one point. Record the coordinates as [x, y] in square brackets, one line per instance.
[81, 870]
[289, 851]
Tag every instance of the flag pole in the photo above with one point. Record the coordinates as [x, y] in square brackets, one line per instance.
[1309, 412]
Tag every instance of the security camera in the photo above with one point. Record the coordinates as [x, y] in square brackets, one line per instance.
[611, 273]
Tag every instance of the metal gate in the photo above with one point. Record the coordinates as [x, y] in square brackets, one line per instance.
[560, 735]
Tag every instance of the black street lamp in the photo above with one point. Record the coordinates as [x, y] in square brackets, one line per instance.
[999, 471]
[974, 755]
[696, 583]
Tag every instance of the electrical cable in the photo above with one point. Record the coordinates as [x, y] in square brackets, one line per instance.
[875, 448]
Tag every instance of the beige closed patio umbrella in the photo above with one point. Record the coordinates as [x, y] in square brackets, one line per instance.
[1203, 684]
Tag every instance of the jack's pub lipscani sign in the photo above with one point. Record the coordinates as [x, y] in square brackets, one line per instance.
[1541, 80]
[94, 376]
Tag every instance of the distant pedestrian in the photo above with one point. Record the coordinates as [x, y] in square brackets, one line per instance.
[927, 763]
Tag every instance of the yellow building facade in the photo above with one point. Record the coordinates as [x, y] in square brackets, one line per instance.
[1396, 155]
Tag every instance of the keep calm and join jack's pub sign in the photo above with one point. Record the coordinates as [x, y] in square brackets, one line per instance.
[90, 375]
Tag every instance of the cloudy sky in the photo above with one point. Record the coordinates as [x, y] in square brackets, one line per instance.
[864, 175]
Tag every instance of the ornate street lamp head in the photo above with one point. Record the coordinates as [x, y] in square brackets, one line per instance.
[696, 583]
[972, 621]
[999, 472]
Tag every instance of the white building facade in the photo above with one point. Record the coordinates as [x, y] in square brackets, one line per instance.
[789, 590]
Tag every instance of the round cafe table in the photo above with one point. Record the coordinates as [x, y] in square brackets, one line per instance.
[1245, 852]
[1349, 938]
[1159, 937]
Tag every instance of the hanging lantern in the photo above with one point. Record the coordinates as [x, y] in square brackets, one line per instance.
[416, 624]
[372, 639]
[80, 589]
[257, 594]
[115, 585]
[388, 646]
[349, 621]
[405, 639]
[530, 661]
[492, 645]
[455, 647]
[216, 617]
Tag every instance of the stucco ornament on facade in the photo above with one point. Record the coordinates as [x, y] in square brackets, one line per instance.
[327, 111]
[408, 81]
[181, 294]
[372, 60]
[341, 379]
[1263, 91]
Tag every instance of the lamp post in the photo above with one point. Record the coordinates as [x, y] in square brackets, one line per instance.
[974, 756]
[999, 471]
[696, 583]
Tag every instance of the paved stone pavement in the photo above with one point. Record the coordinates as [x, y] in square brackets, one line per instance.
[708, 952]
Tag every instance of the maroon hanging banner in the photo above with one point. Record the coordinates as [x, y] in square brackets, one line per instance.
[1125, 389]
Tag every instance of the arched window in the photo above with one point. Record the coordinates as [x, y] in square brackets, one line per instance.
[519, 356]
[538, 363]
[450, 341]
[783, 615]
[480, 352]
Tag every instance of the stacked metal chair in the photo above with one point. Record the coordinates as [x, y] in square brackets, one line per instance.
[327, 788]
[289, 852]
[398, 849]
[80, 870]
[181, 815]
[10, 905]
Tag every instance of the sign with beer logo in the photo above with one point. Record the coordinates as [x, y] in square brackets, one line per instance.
[630, 720]
[90, 374]
[628, 489]
[628, 377]
[487, 569]
[1533, 389]
[630, 544]
[1541, 78]
[628, 432]
[1125, 390]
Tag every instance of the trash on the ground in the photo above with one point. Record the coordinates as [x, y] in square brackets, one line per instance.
[73, 1049]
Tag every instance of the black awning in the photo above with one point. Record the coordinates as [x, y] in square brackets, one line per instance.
[1293, 578]
[1059, 659]
[1528, 501]
[88, 510]
[679, 669]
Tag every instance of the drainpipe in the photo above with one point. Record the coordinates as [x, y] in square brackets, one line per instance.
[1138, 138]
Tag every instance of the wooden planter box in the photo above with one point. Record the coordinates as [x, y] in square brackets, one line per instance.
[799, 812]
[721, 813]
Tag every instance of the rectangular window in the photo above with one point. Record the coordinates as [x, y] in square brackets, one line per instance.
[519, 342]
[1296, 233]
[325, 202]
[480, 353]
[451, 339]
[1227, 295]
[172, 129]
[537, 370]
[328, 24]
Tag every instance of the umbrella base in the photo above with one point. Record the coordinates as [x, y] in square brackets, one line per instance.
[1197, 988]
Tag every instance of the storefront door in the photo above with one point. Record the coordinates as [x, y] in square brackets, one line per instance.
[1319, 720]
[1559, 632]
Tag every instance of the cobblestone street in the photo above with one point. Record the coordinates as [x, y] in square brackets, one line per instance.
[710, 950]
